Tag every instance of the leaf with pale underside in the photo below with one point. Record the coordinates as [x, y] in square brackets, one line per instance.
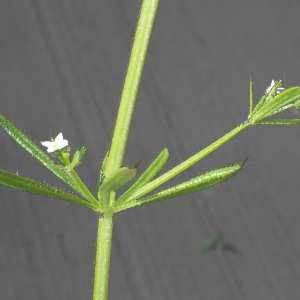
[154, 168]
[113, 182]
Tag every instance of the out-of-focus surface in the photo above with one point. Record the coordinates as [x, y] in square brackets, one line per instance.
[62, 64]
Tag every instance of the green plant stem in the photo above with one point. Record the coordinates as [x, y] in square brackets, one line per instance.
[119, 140]
[104, 239]
[131, 85]
[186, 164]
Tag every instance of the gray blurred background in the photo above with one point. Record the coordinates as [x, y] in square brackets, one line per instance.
[62, 64]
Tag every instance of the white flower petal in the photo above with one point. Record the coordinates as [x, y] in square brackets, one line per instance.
[63, 144]
[46, 144]
[59, 138]
[57, 144]
[268, 90]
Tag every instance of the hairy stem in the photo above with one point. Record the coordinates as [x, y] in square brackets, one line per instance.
[187, 163]
[131, 85]
[119, 140]
[104, 239]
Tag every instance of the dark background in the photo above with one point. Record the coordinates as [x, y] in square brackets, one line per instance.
[62, 64]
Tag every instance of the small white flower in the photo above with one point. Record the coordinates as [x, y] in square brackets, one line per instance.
[57, 144]
[278, 89]
[268, 90]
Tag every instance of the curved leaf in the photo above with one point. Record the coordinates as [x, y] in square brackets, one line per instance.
[268, 108]
[154, 168]
[114, 181]
[23, 183]
[198, 183]
[66, 174]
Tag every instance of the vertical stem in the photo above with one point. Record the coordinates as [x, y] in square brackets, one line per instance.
[104, 239]
[131, 84]
[119, 140]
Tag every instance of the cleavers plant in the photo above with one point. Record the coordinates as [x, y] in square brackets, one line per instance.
[113, 175]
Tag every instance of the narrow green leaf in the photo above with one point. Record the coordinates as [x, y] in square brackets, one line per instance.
[260, 104]
[199, 183]
[280, 122]
[117, 179]
[67, 174]
[101, 174]
[114, 181]
[35, 187]
[280, 100]
[76, 161]
[26, 142]
[251, 98]
[269, 94]
[154, 168]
